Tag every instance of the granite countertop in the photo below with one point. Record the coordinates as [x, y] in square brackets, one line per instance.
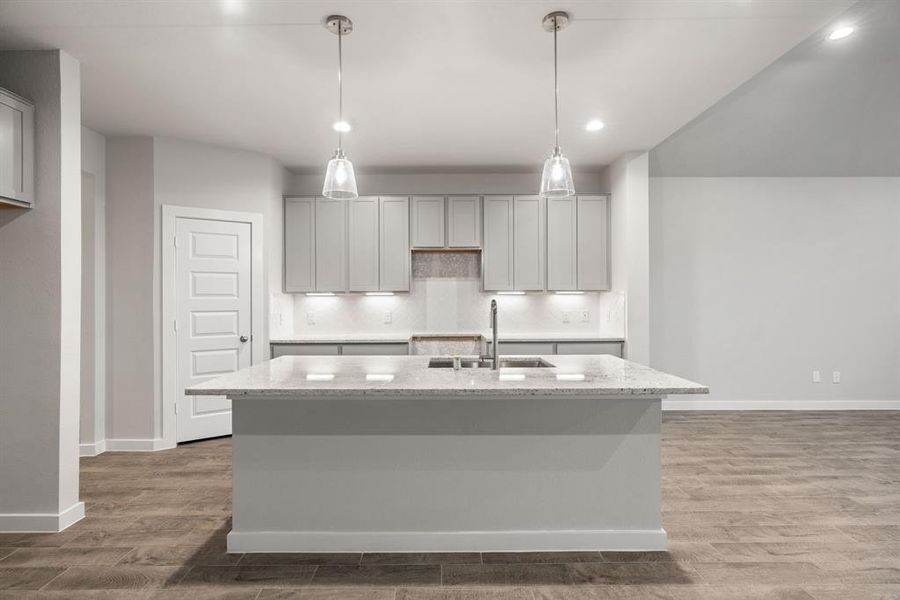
[393, 376]
[399, 338]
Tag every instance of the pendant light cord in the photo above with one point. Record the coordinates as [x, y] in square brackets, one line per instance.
[555, 87]
[340, 83]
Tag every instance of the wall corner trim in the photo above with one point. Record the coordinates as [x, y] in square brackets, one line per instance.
[41, 522]
[92, 448]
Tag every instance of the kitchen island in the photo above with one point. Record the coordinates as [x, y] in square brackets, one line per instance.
[383, 453]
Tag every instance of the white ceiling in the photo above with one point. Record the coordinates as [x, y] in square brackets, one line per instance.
[826, 108]
[453, 84]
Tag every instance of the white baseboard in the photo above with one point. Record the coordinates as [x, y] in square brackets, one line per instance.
[446, 541]
[93, 449]
[41, 522]
[781, 404]
[137, 445]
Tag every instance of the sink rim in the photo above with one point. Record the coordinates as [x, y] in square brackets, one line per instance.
[440, 362]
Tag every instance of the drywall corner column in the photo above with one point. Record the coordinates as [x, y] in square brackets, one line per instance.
[40, 270]
[629, 181]
[93, 293]
[133, 389]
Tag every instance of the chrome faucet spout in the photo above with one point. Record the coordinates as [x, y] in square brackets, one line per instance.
[495, 351]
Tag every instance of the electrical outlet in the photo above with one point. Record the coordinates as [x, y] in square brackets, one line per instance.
[566, 316]
[310, 318]
[835, 377]
[585, 316]
[387, 317]
[817, 377]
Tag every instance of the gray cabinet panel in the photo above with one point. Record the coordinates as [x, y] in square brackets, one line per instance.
[464, 221]
[614, 348]
[379, 349]
[593, 242]
[16, 150]
[304, 350]
[331, 253]
[527, 348]
[362, 241]
[428, 222]
[528, 243]
[497, 256]
[394, 244]
[299, 245]
[562, 264]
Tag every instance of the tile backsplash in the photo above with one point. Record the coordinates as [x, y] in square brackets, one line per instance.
[446, 297]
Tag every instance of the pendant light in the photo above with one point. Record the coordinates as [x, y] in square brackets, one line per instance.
[340, 181]
[556, 180]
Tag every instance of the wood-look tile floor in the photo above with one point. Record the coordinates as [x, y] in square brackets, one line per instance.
[757, 505]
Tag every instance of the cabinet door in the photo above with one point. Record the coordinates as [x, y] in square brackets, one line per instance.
[362, 239]
[464, 221]
[394, 251]
[16, 150]
[593, 242]
[331, 253]
[428, 222]
[497, 256]
[299, 245]
[528, 246]
[380, 349]
[561, 244]
[614, 348]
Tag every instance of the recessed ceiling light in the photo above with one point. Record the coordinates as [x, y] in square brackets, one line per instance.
[342, 126]
[841, 32]
[594, 125]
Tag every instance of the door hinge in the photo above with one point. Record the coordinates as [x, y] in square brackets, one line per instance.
[175, 325]
[175, 241]
[176, 407]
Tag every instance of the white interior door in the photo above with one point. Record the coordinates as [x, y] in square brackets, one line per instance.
[213, 324]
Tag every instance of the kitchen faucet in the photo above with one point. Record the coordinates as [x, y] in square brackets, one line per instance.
[495, 351]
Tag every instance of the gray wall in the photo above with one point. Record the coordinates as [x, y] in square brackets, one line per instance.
[757, 281]
[143, 174]
[40, 271]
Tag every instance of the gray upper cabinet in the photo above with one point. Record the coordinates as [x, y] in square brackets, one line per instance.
[16, 150]
[562, 263]
[497, 256]
[428, 222]
[593, 243]
[463, 221]
[528, 243]
[331, 246]
[359, 245]
[394, 244]
[299, 245]
[362, 244]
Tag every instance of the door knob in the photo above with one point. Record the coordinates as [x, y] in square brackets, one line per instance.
[244, 338]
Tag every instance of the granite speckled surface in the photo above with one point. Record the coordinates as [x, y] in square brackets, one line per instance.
[288, 376]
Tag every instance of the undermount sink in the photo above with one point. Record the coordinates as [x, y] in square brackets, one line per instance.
[505, 363]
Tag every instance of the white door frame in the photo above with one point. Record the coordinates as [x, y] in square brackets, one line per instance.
[170, 214]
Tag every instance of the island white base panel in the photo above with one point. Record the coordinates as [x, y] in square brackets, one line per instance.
[530, 473]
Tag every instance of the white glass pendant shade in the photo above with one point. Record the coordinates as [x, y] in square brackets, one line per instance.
[340, 181]
[556, 180]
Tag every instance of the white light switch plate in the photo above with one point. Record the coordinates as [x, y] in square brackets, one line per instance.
[585, 316]
[816, 377]
[836, 377]
[566, 317]
[388, 317]
[310, 318]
